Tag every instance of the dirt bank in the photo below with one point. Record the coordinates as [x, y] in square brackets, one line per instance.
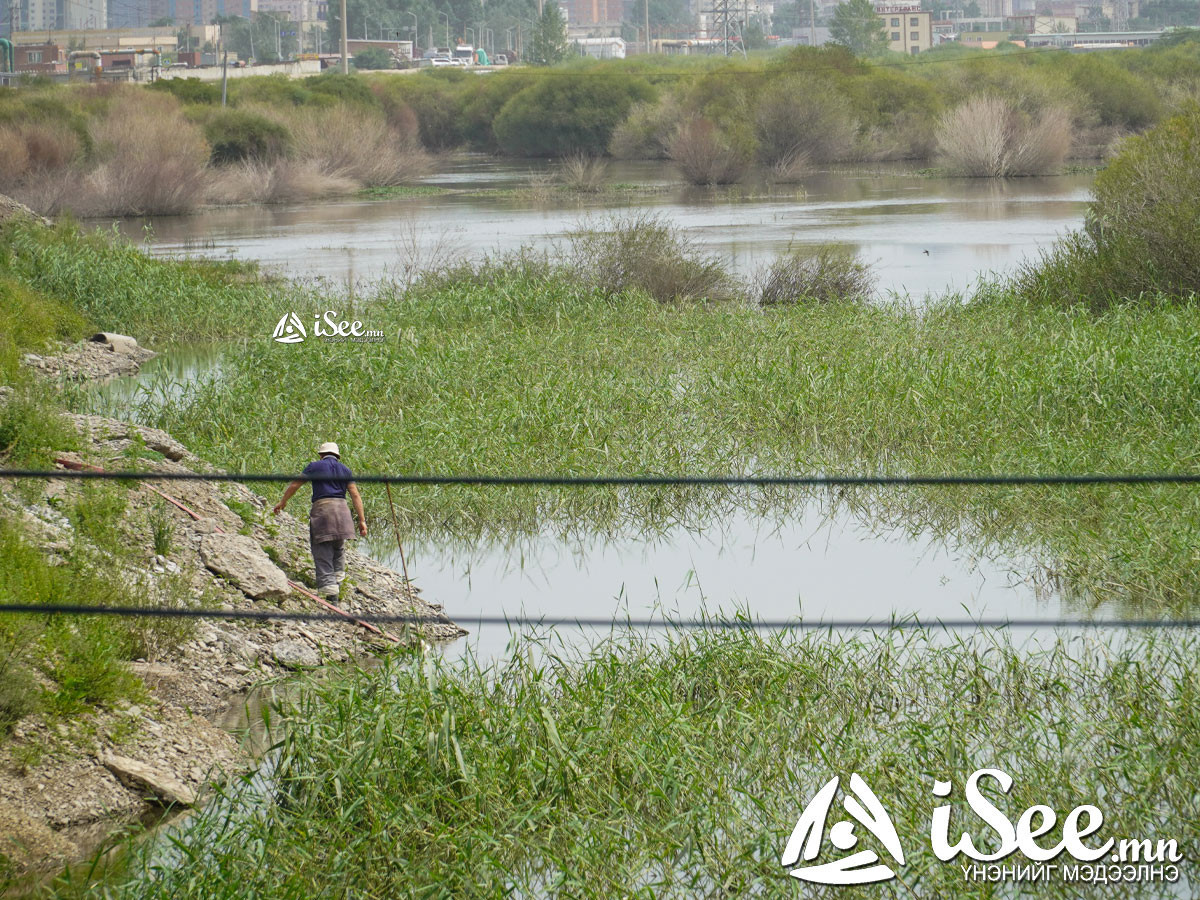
[62, 786]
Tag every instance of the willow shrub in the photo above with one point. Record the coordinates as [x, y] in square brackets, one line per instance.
[567, 113]
[1142, 234]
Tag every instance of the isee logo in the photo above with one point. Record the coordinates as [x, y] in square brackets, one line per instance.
[857, 868]
[1080, 839]
[290, 330]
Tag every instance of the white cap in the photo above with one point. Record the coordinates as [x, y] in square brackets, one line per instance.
[329, 447]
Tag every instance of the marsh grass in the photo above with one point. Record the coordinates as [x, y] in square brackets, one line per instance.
[676, 767]
[646, 253]
[115, 286]
[521, 366]
[583, 174]
[533, 371]
[826, 274]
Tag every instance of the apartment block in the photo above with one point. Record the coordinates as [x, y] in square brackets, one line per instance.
[908, 28]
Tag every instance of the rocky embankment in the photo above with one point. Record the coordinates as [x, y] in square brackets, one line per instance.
[62, 786]
[103, 357]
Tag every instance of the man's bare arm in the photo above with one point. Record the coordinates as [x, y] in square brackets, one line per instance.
[287, 495]
[356, 499]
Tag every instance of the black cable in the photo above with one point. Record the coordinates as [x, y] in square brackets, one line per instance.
[166, 612]
[633, 480]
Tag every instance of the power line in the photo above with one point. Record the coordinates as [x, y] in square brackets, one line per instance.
[1100, 478]
[715, 624]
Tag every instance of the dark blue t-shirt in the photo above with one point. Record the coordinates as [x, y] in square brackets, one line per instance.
[329, 466]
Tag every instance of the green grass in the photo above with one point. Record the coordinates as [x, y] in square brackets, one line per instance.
[520, 374]
[32, 323]
[403, 190]
[517, 367]
[678, 769]
[116, 287]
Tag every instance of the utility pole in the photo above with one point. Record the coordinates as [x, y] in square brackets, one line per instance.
[224, 69]
[812, 23]
[646, 12]
[345, 58]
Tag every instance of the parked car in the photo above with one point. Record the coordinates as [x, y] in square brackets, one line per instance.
[499, 60]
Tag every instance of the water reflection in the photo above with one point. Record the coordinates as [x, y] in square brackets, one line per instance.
[161, 380]
[970, 227]
[819, 563]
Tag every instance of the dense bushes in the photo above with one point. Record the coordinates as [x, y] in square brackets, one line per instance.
[566, 114]
[704, 155]
[238, 135]
[803, 118]
[1142, 232]
[189, 90]
[152, 159]
[1115, 96]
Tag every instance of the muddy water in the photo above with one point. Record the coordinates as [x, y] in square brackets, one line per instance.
[922, 234]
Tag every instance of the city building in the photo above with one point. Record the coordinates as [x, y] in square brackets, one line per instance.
[40, 59]
[198, 12]
[163, 39]
[1095, 40]
[908, 28]
[1032, 23]
[584, 16]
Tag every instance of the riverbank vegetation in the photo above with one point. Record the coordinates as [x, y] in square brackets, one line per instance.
[129, 150]
[662, 363]
[677, 767]
[126, 150]
[56, 668]
[634, 353]
[806, 107]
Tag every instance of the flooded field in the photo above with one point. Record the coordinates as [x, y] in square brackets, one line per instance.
[921, 234]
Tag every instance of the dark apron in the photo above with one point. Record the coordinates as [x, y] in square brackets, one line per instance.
[330, 520]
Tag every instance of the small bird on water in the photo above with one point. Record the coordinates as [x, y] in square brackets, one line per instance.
[926, 252]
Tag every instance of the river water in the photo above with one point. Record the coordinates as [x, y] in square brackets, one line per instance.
[923, 235]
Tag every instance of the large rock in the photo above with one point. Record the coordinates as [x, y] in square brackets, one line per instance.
[295, 655]
[104, 357]
[239, 559]
[165, 787]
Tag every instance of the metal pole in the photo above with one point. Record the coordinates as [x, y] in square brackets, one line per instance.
[345, 58]
[224, 69]
[646, 10]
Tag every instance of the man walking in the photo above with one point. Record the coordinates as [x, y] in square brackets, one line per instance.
[329, 523]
